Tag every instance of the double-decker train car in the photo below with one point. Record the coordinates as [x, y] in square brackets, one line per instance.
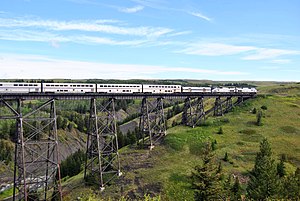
[224, 90]
[68, 88]
[196, 89]
[10, 87]
[119, 88]
[246, 90]
[161, 89]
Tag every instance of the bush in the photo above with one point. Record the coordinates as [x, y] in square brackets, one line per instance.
[72, 165]
[220, 131]
[264, 107]
[226, 158]
[6, 150]
[259, 118]
[254, 111]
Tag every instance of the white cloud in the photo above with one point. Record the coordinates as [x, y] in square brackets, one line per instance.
[180, 33]
[131, 10]
[215, 49]
[251, 52]
[88, 26]
[55, 39]
[200, 15]
[32, 66]
[265, 53]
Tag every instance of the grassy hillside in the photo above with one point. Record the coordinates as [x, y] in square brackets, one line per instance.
[165, 170]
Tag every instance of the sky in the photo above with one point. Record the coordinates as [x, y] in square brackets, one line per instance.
[150, 39]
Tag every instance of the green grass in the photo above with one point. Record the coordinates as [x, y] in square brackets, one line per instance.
[7, 193]
[166, 170]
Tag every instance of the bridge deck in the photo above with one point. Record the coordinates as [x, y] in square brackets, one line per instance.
[85, 96]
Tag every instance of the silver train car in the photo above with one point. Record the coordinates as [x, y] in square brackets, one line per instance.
[10, 87]
[18, 87]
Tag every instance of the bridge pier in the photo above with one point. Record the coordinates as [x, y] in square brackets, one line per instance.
[152, 124]
[36, 169]
[228, 104]
[102, 156]
[218, 109]
[193, 114]
[240, 100]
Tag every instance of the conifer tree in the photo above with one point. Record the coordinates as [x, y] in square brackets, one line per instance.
[226, 158]
[220, 131]
[205, 179]
[281, 168]
[259, 118]
[236, 190]
[291, 187]
[227, 185]
[264, 182]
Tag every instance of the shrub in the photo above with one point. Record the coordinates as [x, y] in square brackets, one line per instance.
[259, 118]
[220, 131]
[264, 107]
[226, 158]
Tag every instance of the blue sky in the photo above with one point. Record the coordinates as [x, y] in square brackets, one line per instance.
[150, 39]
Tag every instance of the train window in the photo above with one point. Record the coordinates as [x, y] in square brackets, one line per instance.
[91, 85]
[21, 85]
[108, 86]
[1, 85]
[14, 84]
[25, 85]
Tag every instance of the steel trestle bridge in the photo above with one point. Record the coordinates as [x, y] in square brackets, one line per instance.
[37, 165]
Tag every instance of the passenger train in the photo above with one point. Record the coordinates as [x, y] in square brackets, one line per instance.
[18, 87]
